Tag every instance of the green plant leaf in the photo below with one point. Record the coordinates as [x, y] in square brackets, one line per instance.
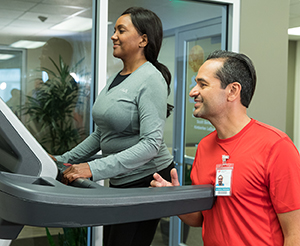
[53, 62]
[50, 238]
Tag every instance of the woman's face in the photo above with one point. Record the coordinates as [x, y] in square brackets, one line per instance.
[126, 39]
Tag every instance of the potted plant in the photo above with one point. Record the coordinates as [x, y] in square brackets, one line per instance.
[51, 108]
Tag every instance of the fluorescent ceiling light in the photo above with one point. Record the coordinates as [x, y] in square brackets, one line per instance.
[294, 31]
[75, 24]
[3, 86]
[75, 77]
[27, 44]
[6, 56]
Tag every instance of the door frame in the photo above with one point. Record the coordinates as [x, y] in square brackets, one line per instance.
[234, 9]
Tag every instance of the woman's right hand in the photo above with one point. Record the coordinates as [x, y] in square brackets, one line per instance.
[76, 171]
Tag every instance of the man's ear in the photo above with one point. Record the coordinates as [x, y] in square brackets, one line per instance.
[144, 41]
[234, 91]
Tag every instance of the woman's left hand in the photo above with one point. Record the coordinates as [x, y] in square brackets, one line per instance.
[76, 171]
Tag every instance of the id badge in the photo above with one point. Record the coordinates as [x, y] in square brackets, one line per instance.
[223, 179]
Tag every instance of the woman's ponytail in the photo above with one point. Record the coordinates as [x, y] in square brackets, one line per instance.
[147, 22]
[167, 75]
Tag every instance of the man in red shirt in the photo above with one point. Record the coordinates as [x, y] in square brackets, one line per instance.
[259, 202]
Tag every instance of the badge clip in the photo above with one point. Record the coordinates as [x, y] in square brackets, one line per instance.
[224, 159]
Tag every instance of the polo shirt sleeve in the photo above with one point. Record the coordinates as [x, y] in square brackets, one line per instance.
[283, 176]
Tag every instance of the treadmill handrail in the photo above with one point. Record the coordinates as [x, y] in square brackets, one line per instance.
[43, 201]
[49, 190]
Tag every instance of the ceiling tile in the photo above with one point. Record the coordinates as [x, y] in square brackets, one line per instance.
[4, 22]
[12, 30]
[55, 10]
[16, 5]
[32, 24]
[10, 14]
[81, 3]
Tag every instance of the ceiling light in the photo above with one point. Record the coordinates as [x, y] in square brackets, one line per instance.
[294, 31]
[3, 86]
[76, 24]
[6, 56]
[75, 77]
[27, 44]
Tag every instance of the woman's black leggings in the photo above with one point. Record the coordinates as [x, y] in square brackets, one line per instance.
[135, 233]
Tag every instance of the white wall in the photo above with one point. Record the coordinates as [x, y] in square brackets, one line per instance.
[264, 38]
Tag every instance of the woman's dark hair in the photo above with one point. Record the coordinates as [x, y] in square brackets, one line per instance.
[236, 68]
[147, 22]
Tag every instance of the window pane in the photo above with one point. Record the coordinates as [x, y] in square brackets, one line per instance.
[51, 66]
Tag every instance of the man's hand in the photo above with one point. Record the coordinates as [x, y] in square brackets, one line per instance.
[160, 182]
[192, 219]
[76, 171]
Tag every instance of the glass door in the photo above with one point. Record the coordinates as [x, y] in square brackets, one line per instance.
[179, 18]
[195, 42]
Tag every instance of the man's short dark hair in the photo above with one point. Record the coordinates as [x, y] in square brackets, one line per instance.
[236, 68]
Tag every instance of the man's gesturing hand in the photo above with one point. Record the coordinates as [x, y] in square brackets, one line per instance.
[160, 182]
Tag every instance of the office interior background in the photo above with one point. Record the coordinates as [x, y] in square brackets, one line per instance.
[60, 33]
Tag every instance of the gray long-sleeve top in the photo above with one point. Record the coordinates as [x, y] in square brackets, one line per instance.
[130, 119]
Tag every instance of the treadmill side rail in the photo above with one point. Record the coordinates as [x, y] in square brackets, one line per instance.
[45, 202]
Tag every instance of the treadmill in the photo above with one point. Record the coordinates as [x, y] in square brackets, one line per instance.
[31, 193]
